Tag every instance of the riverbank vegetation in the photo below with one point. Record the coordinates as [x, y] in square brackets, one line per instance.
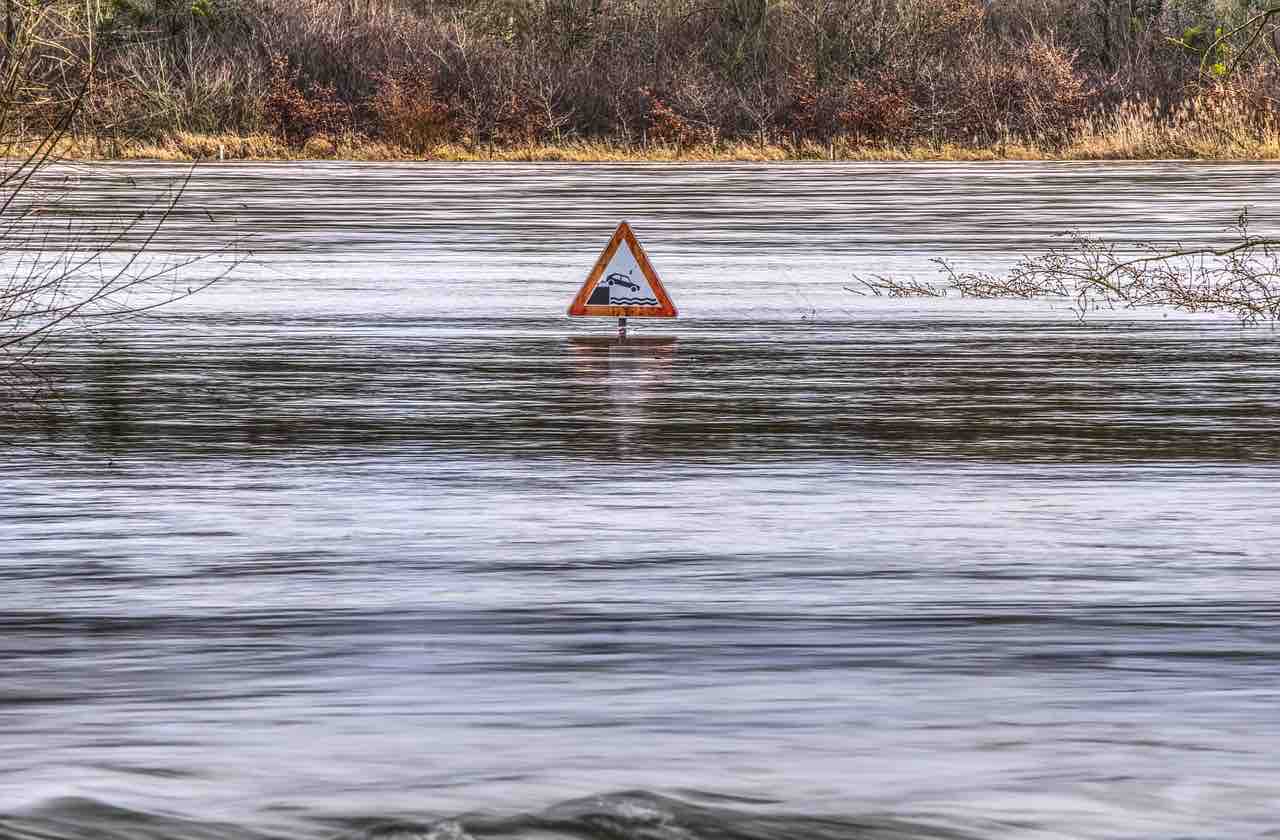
[661, 79]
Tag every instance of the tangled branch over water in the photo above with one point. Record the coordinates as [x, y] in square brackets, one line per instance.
[1242, 278]
[882, 286]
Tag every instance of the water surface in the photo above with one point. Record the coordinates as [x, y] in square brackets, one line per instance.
[370, 540]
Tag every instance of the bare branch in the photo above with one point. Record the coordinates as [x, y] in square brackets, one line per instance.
[1242, 279]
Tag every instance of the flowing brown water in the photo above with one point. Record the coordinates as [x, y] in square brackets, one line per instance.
[370, 540]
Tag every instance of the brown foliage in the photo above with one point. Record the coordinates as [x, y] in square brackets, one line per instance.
[947, 25]
[664, 125]
[1033, 93]
[519, 120]
[1053, 92]
[876, 110]
[409, 113]
[297, 111]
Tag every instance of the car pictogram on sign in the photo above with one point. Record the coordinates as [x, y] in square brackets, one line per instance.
[622, 280]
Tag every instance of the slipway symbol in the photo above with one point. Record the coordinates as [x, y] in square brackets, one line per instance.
[623, 283]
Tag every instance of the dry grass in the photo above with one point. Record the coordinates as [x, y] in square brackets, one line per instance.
[1198, 129]
[1134, 131]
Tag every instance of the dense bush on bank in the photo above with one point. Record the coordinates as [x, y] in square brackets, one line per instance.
[1106, 78]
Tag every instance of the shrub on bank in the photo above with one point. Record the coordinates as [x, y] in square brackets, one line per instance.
[414, 76]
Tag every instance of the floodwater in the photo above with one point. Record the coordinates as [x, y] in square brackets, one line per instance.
[369, 540]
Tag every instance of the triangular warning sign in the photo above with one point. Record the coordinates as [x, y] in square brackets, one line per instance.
[623, 283]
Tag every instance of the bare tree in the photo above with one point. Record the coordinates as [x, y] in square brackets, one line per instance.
[58, 273]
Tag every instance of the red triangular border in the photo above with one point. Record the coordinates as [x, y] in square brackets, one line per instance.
[664, 309]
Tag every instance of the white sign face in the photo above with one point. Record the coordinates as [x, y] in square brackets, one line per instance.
[623, 283]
